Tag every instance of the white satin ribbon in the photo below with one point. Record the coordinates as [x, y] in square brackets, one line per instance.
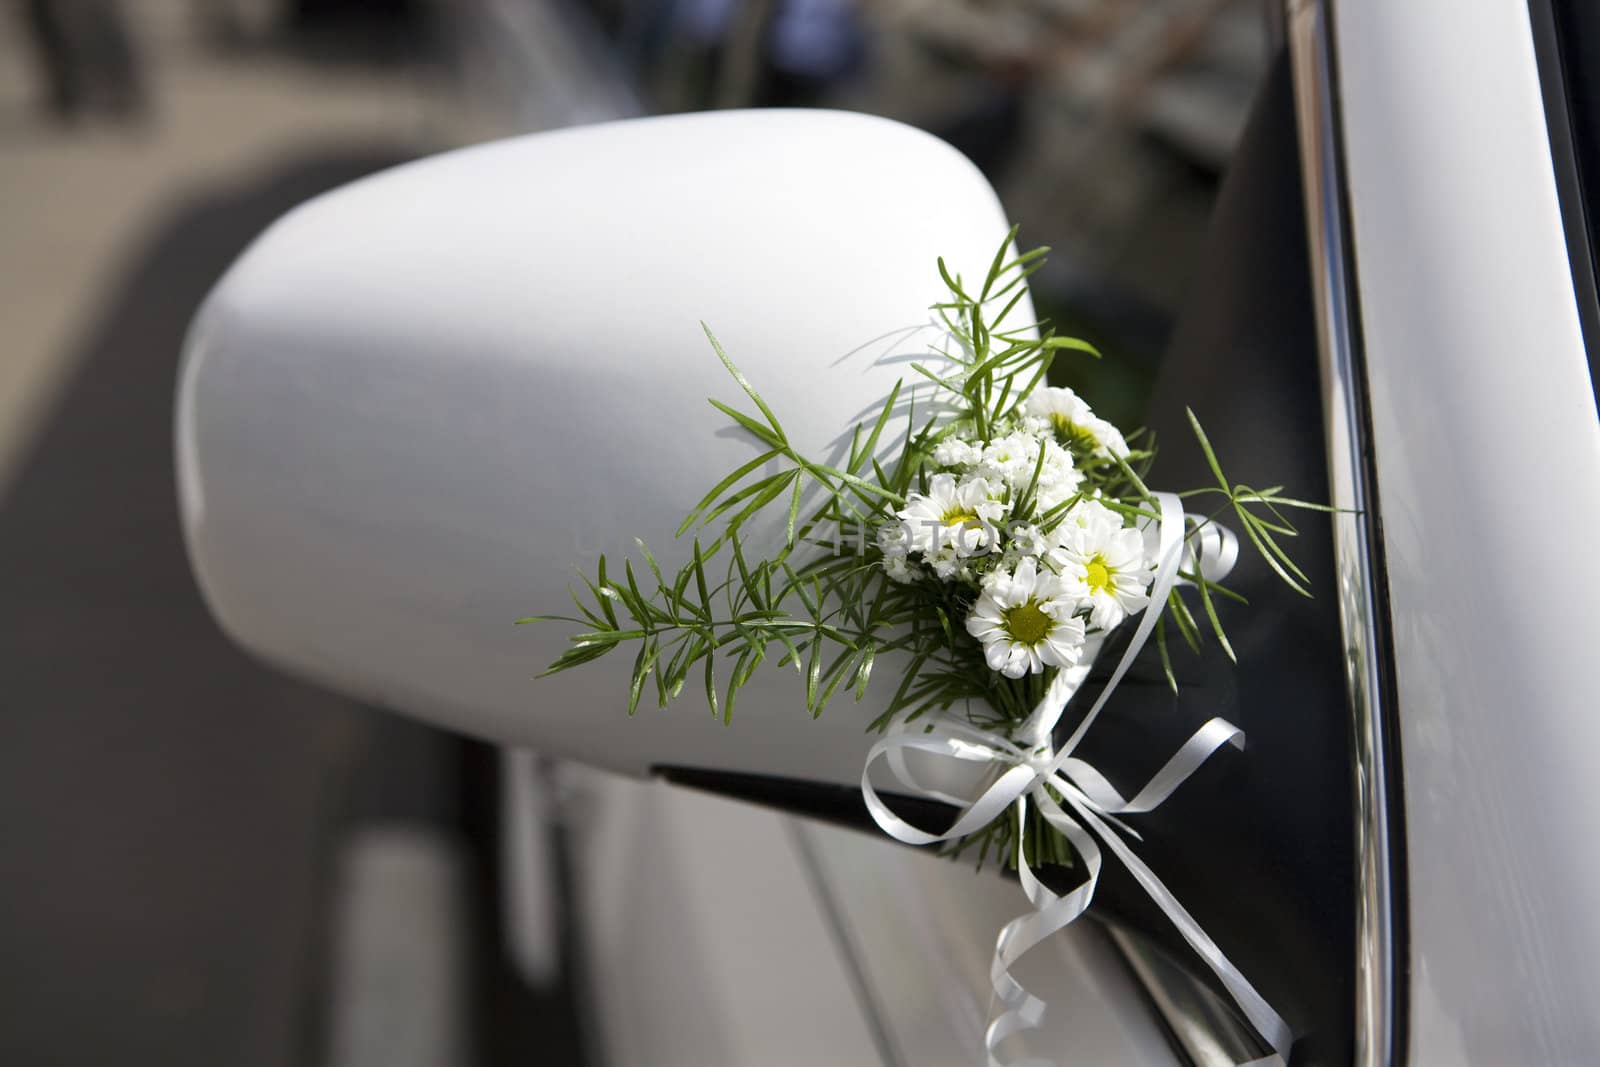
[1033, 772]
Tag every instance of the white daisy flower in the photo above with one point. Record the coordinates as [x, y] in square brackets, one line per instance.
[1102, 563]
[957, 515]
[1010, 459]
[1059, 478]
[1052, 495]
[1025, 622]
[948, 565]
[894, 539]
[954, 452]
[1076, 426]
[900, 569]
[1087, 513]
[1036, 425]
[1029, 540]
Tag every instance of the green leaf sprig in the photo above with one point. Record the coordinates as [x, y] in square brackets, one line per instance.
[832, 615]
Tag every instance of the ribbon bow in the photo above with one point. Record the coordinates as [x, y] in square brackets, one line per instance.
[1033, 772]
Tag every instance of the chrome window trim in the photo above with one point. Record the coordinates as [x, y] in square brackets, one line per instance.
[1379, 995]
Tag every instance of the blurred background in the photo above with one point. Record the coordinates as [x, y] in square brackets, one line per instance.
[202, 862]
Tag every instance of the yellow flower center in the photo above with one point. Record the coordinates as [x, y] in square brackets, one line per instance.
[1096, 575]
[1027, 623]
[959, 516]
[1072, 436]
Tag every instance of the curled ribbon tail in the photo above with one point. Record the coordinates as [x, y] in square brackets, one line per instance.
[1267, 1022]
[1032, 770]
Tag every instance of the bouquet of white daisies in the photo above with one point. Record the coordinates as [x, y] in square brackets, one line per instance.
[1005, 536]
[1021, 520]
[993, 547]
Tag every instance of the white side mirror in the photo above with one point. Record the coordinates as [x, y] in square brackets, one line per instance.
[416, 403]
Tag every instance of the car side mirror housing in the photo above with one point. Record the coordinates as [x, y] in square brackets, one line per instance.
[417, 405]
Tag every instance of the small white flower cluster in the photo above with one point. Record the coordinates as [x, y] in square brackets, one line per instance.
[1042, 584]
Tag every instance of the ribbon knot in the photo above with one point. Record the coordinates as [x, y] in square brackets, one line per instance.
[1041, 760]
[1033, 770]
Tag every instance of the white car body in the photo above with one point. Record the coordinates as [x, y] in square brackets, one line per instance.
[416, 403]
[1467, 305]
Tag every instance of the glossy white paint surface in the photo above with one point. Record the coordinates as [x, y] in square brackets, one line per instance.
[1488, 452]
[736, 948]
[924, 928]
[417, 403]
[704, 942]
